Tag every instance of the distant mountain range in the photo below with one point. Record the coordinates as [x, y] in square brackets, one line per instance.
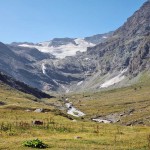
[62, 47]
[93, 63]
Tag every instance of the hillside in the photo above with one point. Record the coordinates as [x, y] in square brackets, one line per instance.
[22, 87]
[90, 93]
[61, 132]
[115, 61]
[125, 106]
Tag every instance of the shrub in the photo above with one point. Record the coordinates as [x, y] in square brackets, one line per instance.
[36, 143]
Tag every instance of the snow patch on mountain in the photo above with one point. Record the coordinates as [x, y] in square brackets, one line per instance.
[79, 83]
[86, 59]
[43, 68]
[114, 80]
[104, 37]
[61, 51]
[55, 82]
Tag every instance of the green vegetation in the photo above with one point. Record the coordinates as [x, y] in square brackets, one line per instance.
[59, 132]
[35, 144]
[135, 97]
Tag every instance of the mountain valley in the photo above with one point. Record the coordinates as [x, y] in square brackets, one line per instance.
[50, 66]
[88, 93]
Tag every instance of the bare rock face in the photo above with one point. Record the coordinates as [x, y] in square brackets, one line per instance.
[140, 59]
[126, 48]
[129, 45]
[99, 38]
[61, 41]
[39, 110]
[138, 24]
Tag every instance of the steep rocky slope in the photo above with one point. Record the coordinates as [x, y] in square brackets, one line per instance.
[22, 87]
[121, 57]
[129, 41]
[99, 38]
[114, 61]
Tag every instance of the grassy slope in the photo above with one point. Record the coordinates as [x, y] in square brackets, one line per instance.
[135, 97]
[59, 132]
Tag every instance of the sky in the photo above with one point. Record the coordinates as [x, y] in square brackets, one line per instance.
[41, 20]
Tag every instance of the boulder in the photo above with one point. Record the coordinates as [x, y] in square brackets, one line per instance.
[37, 122]
[39, 110]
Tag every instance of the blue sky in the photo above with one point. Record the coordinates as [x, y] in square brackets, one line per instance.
[41, 20]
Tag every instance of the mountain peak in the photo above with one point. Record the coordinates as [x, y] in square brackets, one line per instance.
[146, 5]
[128, 48]
[138, 23]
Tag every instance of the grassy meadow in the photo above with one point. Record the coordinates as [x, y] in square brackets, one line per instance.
[63, 133]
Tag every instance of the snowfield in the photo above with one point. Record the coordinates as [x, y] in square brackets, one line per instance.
[104, 37]
[63, 50]
[43, 69]
[79, 83]
[114, 80]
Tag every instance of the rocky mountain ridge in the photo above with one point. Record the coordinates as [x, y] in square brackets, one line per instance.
[20, 86]
[62, 47]
[112, 62]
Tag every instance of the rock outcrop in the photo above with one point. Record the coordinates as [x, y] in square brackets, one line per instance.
[115, 57]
